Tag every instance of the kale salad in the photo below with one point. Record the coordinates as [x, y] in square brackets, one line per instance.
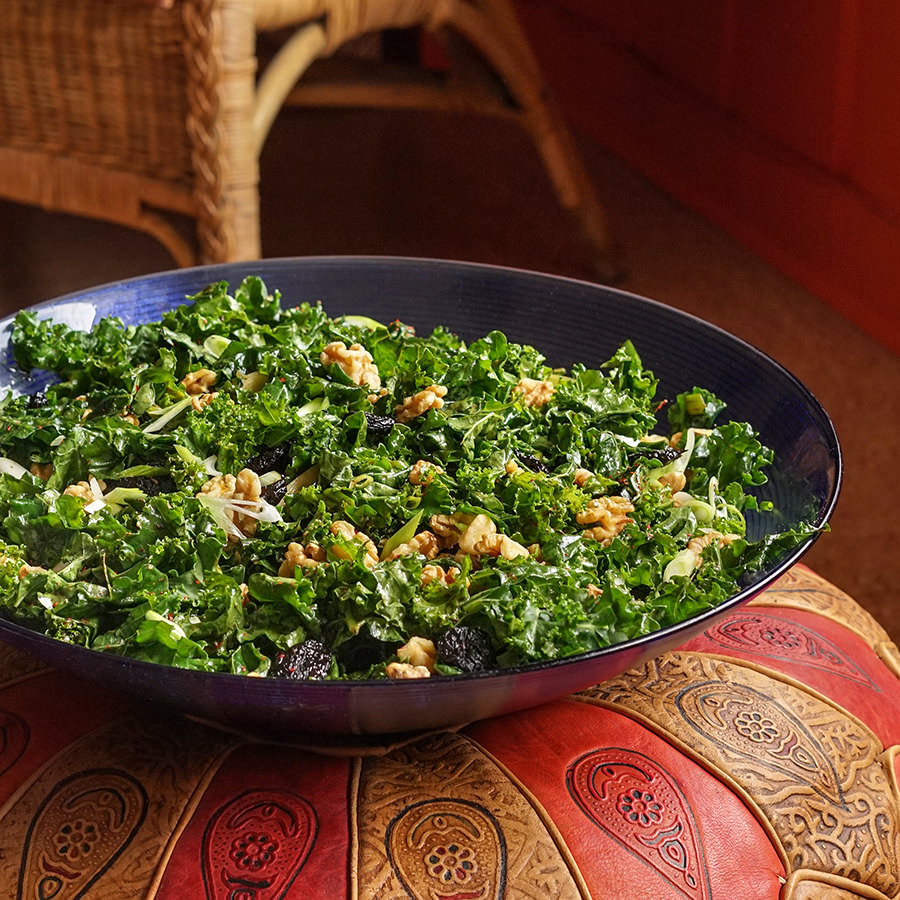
[265, 490]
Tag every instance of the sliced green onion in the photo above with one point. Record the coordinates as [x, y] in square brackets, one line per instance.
[694, 404]
[169, 413]
[362, 321]
[253, 381]
[215, 345]
[11, 467]
[310, 476]
[221, 509]
[120, 495]
[175, 629]
[402, 535]
[313, 406]
[682, 563]
[704, 512]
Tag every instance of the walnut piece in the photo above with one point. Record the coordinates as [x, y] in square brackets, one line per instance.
[449, 528]
[607, 515]
[432, 573]
[302, 557]
[675, 440]
[85, 491]
[481, 538]
[419, 651]
[425, 542]
[346, 530]
[244, 486]
[582, 476]
[419, 404]
[423, 472]
[405, 670]
[475, 535]
[198, 382]
[535, 392]
[674, 481]
[355, 361]
[201, 400]
[699, 543]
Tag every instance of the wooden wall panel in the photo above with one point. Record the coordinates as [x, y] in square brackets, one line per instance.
[873, 160]
[795, 150]
[688, 41]
[785, 72]
[619, 18]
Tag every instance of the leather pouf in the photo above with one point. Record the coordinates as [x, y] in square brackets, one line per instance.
[757, 761]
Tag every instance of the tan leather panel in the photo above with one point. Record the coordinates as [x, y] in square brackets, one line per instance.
[89, 824]
[438, 819]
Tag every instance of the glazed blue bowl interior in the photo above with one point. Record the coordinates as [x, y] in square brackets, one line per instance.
[569, 321]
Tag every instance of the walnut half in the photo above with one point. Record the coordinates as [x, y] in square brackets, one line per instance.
[535, 392]
[302, 557]
[418, 404]
[607, 515]
[244, 486]
[355, 361]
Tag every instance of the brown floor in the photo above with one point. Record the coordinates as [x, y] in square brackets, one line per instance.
[431, 185]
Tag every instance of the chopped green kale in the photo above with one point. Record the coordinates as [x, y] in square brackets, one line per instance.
[239, 479]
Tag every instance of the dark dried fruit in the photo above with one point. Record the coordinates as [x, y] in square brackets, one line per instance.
[309, 659]
[149, 484]
[664, 455]
[465, 647]
[532, 462]
[37, 399]
[271, 459]
[378, 426]
[274, 493]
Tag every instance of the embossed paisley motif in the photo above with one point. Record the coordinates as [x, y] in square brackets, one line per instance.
[752, 725]
[255, 846]
[640, 805]
[778, 639]
[14, 737]
[79, 830]
[446, 849]
[803, 589]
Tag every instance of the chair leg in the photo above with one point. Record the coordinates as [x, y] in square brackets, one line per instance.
[491, 27]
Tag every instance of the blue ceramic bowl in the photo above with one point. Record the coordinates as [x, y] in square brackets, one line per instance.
[569, 321]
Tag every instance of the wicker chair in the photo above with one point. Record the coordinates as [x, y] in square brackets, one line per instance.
[152, 114]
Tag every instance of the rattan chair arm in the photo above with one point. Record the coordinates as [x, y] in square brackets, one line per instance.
[344, 20]
[283, 71]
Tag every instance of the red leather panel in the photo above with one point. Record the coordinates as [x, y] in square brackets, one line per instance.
[33, 730]
[272, 823]
[640, 818]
